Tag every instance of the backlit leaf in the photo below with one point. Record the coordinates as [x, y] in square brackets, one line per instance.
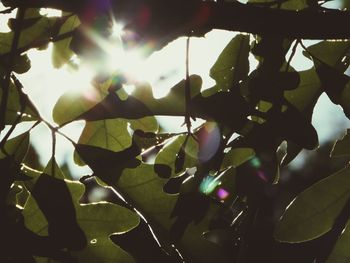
[14, 106]
[97, 221]
[232, 64]
[61, 52]
[108, 134]
[342, 146]
[313, 211]
[168, 155]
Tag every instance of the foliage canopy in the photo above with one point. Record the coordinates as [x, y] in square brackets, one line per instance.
[202, 191]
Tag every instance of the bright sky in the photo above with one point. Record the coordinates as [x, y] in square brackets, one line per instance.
[44, 85]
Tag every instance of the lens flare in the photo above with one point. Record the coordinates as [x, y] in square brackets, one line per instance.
[208, 184]
[209, 141]
[262, 176]
[255, 162]
[222, 193]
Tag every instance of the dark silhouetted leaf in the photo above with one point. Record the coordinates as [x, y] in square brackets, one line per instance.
[64, 230]
[173, 185]
[108, 165]
[304, 99]
[340, 252]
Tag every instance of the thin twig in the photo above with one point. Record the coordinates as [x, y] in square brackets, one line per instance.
[294, 49]
[188, 89]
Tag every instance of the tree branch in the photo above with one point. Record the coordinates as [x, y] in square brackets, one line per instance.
[305, 24]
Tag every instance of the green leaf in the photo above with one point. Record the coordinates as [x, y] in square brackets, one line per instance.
[53, 169]
[305, 96]
[146, 124]
[14, 106]
[61, 52]
[98, 221]
[232, 65]
[237, 156]
[72, 104]
[113, 134]
[144, 189]
[332, 53]
[37, 32]
[108, 134]
[141, 103]
[313, 211]
[342, 147]
[168, 154]
[16, 147]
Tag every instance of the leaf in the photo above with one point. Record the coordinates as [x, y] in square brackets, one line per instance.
[11, 156]
[97, 221]
[106, 164]
[332, 59]
[336, 85]
[14, 106]
[16, 147]
[236, 156]
[168, 155]
[142, 103]
[144, 188]
[61, 52]
[108, 134]
[304, 99]
[22, 64]
[54, 170]
[342, 147]
[146, 124]
[39, 31]
[140, 243]
[313, 211]
[332, 53]
[232, 65]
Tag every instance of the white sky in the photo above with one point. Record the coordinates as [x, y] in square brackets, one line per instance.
[44, 85]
